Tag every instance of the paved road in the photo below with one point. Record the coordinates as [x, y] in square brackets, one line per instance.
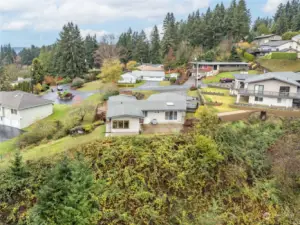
[78, 95]
[7, 133]
[154, 86]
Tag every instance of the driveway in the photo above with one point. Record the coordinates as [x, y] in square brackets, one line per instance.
[7, 133]
[78, 95]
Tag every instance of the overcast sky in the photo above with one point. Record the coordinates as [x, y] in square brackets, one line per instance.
[26, 22]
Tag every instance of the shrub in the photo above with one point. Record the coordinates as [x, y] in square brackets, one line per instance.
[49, 80]
[110, 93]
[37, 88]
[284, 55]
[77, 83]
[45, 87]
[249, 57]
[173, 80]
[98, 123]
[89, 77]
[139, 96]
[88, 128]
[125, 85]
[193, 88]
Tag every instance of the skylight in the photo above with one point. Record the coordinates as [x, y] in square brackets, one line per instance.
[170, 103]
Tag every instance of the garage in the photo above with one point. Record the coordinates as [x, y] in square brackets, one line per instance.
[150, 75]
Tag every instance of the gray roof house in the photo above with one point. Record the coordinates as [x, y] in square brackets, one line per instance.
[280, 89]
[266, 38]
[126, 114]
[20, 109]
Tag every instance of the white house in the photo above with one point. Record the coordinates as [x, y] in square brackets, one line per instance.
[128, 78]
[266, 38]
[126, 114]
[278, 46]
[280, 89]
[20, 109]
[149, 75]
[20, 80]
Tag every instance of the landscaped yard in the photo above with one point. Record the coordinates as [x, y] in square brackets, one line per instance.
[193, 93]
[227, 100]
[165, 83]
[56, 146]
[280, 65]
[216, 79]
[91, 86]
[147, 93]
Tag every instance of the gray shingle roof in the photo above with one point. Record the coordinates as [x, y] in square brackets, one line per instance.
[128, 106]
[145, 73]
[221, 63]
[264, 36]
[242, 76]
[21, 100]
[274, 43]
[287, 77]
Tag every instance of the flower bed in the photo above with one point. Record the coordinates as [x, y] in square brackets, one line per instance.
[65, 96]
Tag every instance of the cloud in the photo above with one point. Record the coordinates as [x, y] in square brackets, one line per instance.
[271, 5]
[98, 33]
[15, 25]
[53, 14]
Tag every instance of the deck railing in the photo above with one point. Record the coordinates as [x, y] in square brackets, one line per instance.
[246, 92]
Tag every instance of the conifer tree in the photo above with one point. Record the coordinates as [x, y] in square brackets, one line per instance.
[17, 168]
[37, 72]
[142, 48]
[4, 80]
[90, 45]
[155, 46]
[67, 197]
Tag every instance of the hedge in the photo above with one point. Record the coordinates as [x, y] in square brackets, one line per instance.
[284, 55]
[249, 57]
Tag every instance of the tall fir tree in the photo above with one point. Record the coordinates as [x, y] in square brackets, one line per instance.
[37, 72]
[155, 46]
[4, 80]
[142, 48]
[90, 45]
[17, 167]
[71, 51]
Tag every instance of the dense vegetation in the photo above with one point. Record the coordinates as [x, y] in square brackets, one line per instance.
[239, 173]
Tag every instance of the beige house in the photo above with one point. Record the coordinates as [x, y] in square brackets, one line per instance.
[263, 39]
[20, 109]
[280, 89]
[126, 114]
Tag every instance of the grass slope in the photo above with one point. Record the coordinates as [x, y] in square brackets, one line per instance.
[216, 79]
[91, 86]
[280, 65]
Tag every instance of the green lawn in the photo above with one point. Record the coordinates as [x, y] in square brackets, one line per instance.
[164, 83]
[193, 93]
[280, 65]
[91, 86]
[227, 100]
[56, 146]
[216, 79]
[147, 93]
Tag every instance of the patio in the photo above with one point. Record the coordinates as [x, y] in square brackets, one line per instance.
[161, 128]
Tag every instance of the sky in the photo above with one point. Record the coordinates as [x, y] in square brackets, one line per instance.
[38, 22]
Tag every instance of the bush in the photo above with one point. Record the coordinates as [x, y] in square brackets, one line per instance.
[66, 80]
[37, 88]
[284, 55]
[89, 77]
[88, 128]
[49, 80]
[98, 123]
[249, 57]
[125, 85]
[139, 96]
[110, 93]
[193, 88]
[77, 83]
[45, 87]
[173, 80]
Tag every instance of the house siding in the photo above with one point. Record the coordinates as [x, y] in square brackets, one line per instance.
[272, 102]
[268, 39]
[273, 85]
[134, 126]
[160, 117]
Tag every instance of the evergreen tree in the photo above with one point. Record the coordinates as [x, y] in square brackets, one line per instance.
[17, 168]
[37, 72]
[28, 54]
[155, 46]
[243, 19]
[234, 57]
[71, 51]
[142, 48]
[170, 34]
[7, 55]
[90, 44]
[67, 197]
[4, 80]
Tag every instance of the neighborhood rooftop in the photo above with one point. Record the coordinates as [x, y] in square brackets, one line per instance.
[264, 36]
[275, 43]
[220, 63]
[21, 100]
[287, 77]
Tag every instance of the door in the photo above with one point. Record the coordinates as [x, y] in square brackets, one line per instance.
[284, 91]
[259, 89]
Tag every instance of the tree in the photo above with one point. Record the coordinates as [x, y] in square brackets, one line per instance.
[170, 60]
[90, 44]
[183, 54]
[17, 168]
[155, 46]
[141, 52]
[131, 65]
[7, 55]
[170, 34]
[82, 109]
[28, 54]
[4, 80]
[234, 57]
[37, 72]
[71, 52]
[111, 70]
[67, 197]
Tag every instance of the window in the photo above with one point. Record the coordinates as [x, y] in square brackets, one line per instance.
[278, 100]
[171, 115]
[121, 124]
[145, 114]
[284, 91]
[259, 99]
[259, 89]
[14, 111]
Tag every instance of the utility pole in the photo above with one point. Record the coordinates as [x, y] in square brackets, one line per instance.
[197, 75]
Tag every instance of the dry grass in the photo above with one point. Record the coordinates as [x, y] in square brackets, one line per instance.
[280, 65]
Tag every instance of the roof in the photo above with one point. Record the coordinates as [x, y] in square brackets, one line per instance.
[221, 63]
[275, 43]
[287, 77]
[127, 75]
[297, 37]
[265, 36]
[21, 100]
[145, 73]
[122, 106]
[242, 76]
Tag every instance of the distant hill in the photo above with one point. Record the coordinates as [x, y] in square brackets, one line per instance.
[18, 49]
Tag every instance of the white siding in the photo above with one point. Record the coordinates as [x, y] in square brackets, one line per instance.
[161, 118]
[127, 79]
[134, 126]
[272, 102]
[273, 85]
[153, 78]
[9, 119]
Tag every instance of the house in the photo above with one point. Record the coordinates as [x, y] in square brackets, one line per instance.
[213, 68]
[266, 38]
[126, 115]
[151, 67]
[280, 89]
[20, 80]
[149, 75]
[20, 109]
[128, 78]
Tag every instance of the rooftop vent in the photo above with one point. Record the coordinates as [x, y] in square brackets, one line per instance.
[170, 103]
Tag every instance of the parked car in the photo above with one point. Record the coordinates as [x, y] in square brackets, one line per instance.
[226, 80]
